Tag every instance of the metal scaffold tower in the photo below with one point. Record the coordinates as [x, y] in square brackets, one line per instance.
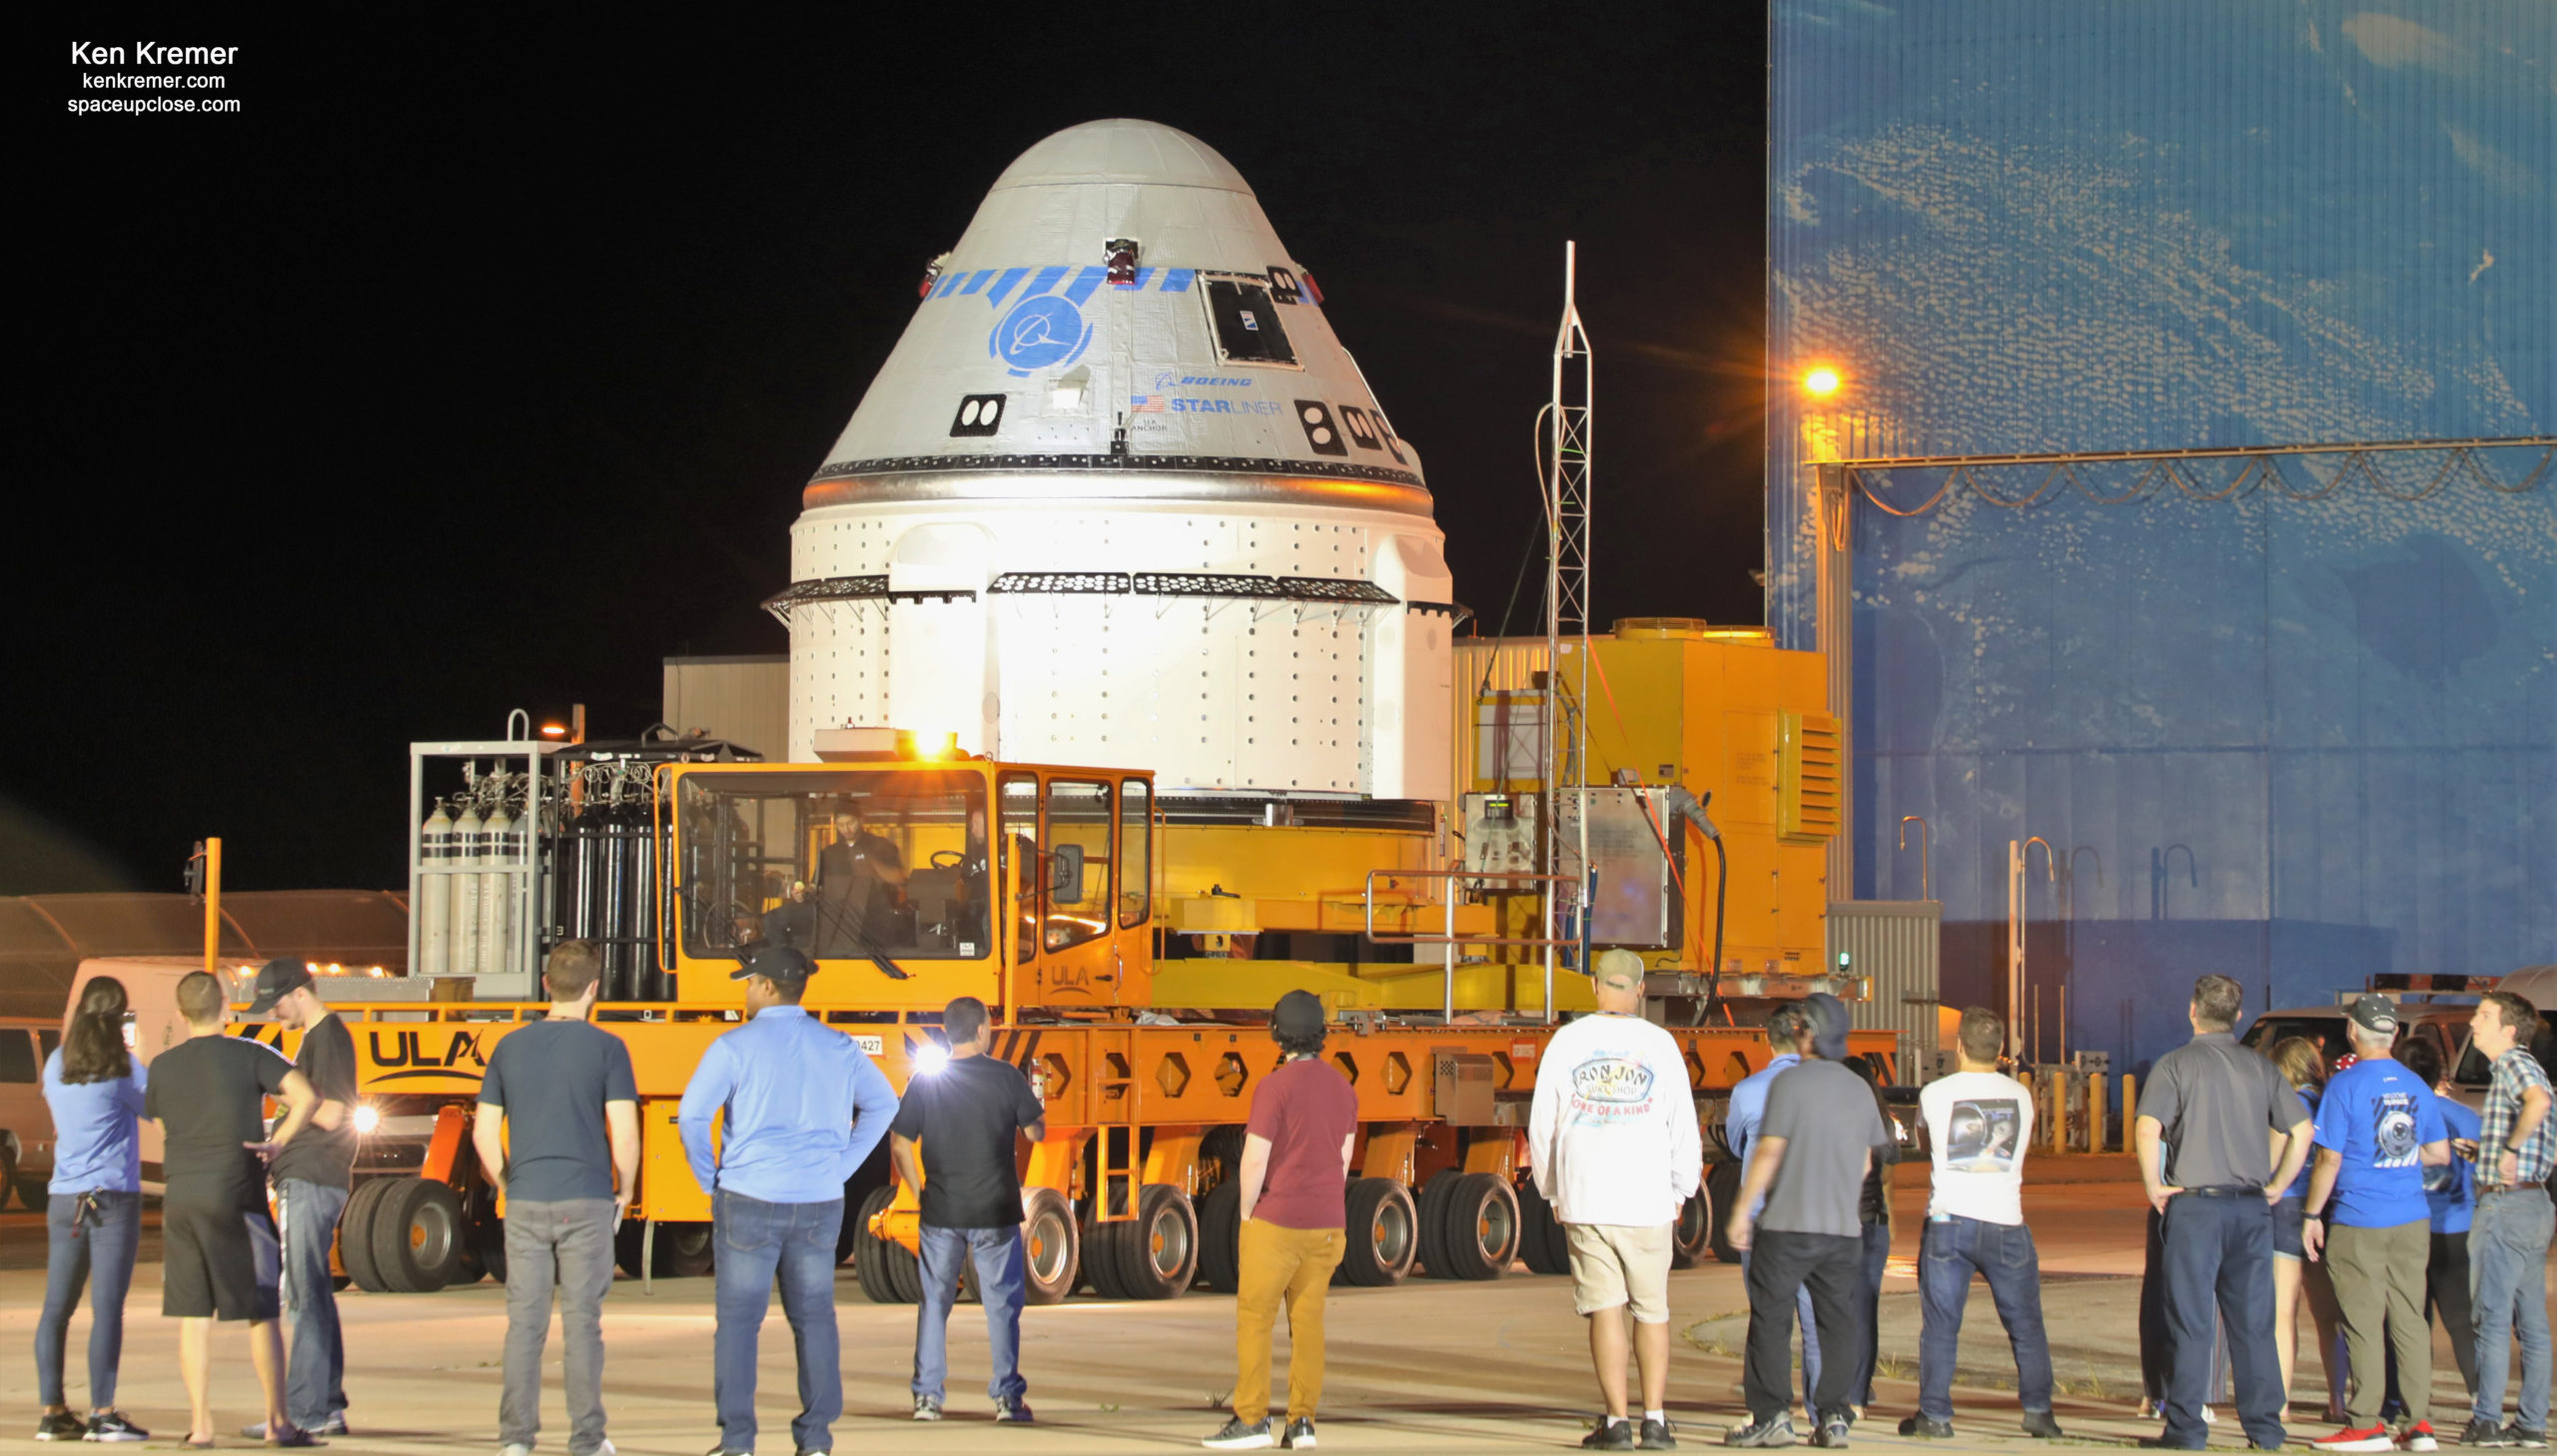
[1566, 449]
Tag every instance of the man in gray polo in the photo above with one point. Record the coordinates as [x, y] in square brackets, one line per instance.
[2209, 1165]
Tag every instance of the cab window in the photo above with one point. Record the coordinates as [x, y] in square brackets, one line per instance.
[838, 864]
[17, 1054]
[1020, 803]
[1077, 863]
[1136, 858]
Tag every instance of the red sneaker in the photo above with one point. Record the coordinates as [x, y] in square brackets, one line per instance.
[2418, 1437]
[2369, 1438]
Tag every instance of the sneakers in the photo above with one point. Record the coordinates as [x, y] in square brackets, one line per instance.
[2041, 1426]
[927, 1407]
[1832, 1434]
[2481, 1433]
[1658, 1435]
[1776, 1430]
[515, 1448]
[1612, 1433]
[62, 1426]
[2357, 1438]
[334, 1425]
[2525, 1437]
[110, 1425]
[1301, 1434]
[2418, 1437]
[1236, 1434]
[294, 1440]
[1013, 1410]
[1926, 1430]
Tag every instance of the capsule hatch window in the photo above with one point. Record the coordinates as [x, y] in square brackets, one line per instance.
[1244, 322]
[839, 864]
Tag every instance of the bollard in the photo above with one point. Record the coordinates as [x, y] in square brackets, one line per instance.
[2096, 1111]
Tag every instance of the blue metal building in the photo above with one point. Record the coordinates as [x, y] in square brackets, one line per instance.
[2296, 735]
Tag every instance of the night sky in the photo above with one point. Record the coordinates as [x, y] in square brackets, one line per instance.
[465, 370]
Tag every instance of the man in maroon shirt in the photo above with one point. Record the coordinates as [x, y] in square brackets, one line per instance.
[1296, 1173]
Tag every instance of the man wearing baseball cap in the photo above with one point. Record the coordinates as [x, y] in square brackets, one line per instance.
[313, 1177]
[2376, 1129]
[803, 1107]
[1296, 1179]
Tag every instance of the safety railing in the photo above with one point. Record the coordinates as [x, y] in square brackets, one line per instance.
[1450, 938]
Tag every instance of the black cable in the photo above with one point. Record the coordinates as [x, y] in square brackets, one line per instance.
[1713, 976]
[1525, 560]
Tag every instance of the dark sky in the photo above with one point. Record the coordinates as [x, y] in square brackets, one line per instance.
[468, 371]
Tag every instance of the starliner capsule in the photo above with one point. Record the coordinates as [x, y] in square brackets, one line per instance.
[1121, 497]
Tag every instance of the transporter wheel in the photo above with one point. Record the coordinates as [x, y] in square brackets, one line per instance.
[416, 1236]
[1691, 1237]
[1478, 1227]
[1721, 1187]
[9, 1179]
[874, 1260]
[1542, 1244]
[1156, 1254]
[1383, 1234]
[627, 1241]
[685, 1251]
[1050, 1247]
[1429, 1209]
[1220, 1238]
[355, 1237]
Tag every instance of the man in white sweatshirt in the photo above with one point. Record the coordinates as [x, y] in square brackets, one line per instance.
[1613, 1144]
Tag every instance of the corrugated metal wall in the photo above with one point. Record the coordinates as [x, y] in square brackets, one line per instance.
[744, 700]
[1895, 942]
[2291, 740]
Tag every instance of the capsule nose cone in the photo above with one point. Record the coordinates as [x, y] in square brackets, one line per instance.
[1123, 151]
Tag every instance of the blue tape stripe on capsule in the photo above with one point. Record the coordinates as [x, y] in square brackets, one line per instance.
[1085, 282]
[1176, 280]
[1003, 286]
[977, 280]
[1046, 280]
[1143, 274]
[949, 284]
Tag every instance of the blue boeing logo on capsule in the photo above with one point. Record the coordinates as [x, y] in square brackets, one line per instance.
[1039, 332]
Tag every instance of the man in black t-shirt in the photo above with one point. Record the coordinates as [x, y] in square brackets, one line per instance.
[968, 1116]
[558, 1133]
[218, 1254]
[313, 1179]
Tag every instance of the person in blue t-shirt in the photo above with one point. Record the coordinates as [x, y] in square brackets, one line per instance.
[2450, 1193]
[2378, 1126]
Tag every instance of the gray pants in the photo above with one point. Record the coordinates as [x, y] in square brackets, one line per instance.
[2379, 1293]
[567, 1246]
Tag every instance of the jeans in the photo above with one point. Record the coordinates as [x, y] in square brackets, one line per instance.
[757, 1241]
[1000, 1283]
[1810, 1339]
[2218, 1258]
[315, 1364]
[564, 1246]
[1290, 1266]
[1877, 1260]
[1782, 1268]
[2508, 1293]
[1950, 1251]
[99, 1253]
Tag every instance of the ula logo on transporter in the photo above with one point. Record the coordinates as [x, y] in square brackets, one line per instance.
[457, 1054]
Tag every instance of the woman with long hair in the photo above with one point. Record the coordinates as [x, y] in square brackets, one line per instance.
[94, 1217]
[2295, 1279]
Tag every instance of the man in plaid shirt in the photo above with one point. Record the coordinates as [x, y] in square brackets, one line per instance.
[2508, 1243]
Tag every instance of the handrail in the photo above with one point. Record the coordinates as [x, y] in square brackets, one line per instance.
[1447, 998]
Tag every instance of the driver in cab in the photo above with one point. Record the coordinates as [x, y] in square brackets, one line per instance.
[860, 879]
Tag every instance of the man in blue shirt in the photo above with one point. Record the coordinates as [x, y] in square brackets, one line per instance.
[803, 1109]
[1788, 1028]
[2377, 1128]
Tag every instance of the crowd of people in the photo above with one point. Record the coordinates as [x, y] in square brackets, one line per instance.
[2361, 1190]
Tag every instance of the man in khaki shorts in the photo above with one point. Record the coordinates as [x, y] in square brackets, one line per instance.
[1612, 1138]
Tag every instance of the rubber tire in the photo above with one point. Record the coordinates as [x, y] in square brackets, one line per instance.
[1167, 1225]
[1474, 1200]
[488, 1247]
[1542, 1242]
[1691, 1239]
[1049, 1215]
[9, 1181]
[627, 1242]
[1379, 1215]
[355, 1237]
[1220, 1238]
[1431, 1210]
[1222, 1149]
[1722, 1186]
[874, 1260]
[686, 1250]
[416, 1236]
